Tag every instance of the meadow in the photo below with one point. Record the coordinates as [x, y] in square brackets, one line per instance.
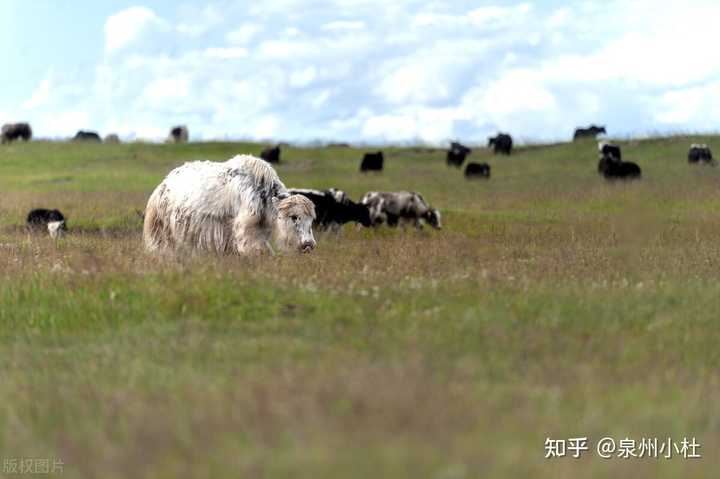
[551, 305]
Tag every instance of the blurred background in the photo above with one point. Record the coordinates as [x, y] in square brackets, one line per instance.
[360, 71]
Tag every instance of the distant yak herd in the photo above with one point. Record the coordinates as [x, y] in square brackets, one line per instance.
[22, 131]
[610, 164]
[239, 205]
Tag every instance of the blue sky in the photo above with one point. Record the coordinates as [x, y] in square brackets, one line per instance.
[360, 71]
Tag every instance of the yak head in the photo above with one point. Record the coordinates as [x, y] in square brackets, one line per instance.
[294, 224]
[358, 212]
[434, 219]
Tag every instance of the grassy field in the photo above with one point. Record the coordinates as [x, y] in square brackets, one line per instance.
[552, 304]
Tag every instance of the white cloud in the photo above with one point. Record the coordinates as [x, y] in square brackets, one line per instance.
[124, 27]
[281, 49]
[170, 88]
[434, 125]
[243, 34]
[344, 25]
[415, 83]
[397, 73]
[226, 53]
[560, 18]
[516, 91]
[492, 14]
[60, 124]
[266, 127]
[426, 19]
[304, 77]
[487, 16]
[197, 22]
[321, 99]
[698, 107]
[41, 95]
[384, 127]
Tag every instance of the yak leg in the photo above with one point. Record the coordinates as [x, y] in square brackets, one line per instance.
[404, 221]
[251, 236]
[416, 221]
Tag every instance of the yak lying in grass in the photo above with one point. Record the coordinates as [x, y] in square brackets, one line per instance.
[232, 207]
[611, 165]
[44, 219]
[477, 170]
[621, 170]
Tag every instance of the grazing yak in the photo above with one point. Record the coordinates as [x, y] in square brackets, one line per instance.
[271, 154]
[372, 162]
[234, 207]
[333, 208]
[52, 220]
[15, 131]
[456, 154]
[502, 144]
[700, 154]
[621, 170]
[611, 165]
[112, 139]
[392, 206]
[178, 134]
[477, 170]
[591, 132]
[85, 135]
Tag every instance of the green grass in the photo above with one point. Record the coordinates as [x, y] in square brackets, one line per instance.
[552, 304]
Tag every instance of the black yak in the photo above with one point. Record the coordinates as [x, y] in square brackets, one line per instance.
[501, 144]
[372, 162]
[16, 131]
[477, 170]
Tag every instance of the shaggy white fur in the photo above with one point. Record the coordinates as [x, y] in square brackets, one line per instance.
[229, 207]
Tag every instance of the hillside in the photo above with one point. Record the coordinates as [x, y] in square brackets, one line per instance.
[552, 304]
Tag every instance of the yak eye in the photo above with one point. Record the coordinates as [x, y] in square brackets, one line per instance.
[294, 218]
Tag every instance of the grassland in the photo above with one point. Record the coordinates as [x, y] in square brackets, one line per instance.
[552, 304]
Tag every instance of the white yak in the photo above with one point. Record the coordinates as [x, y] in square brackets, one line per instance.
[231, 207]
